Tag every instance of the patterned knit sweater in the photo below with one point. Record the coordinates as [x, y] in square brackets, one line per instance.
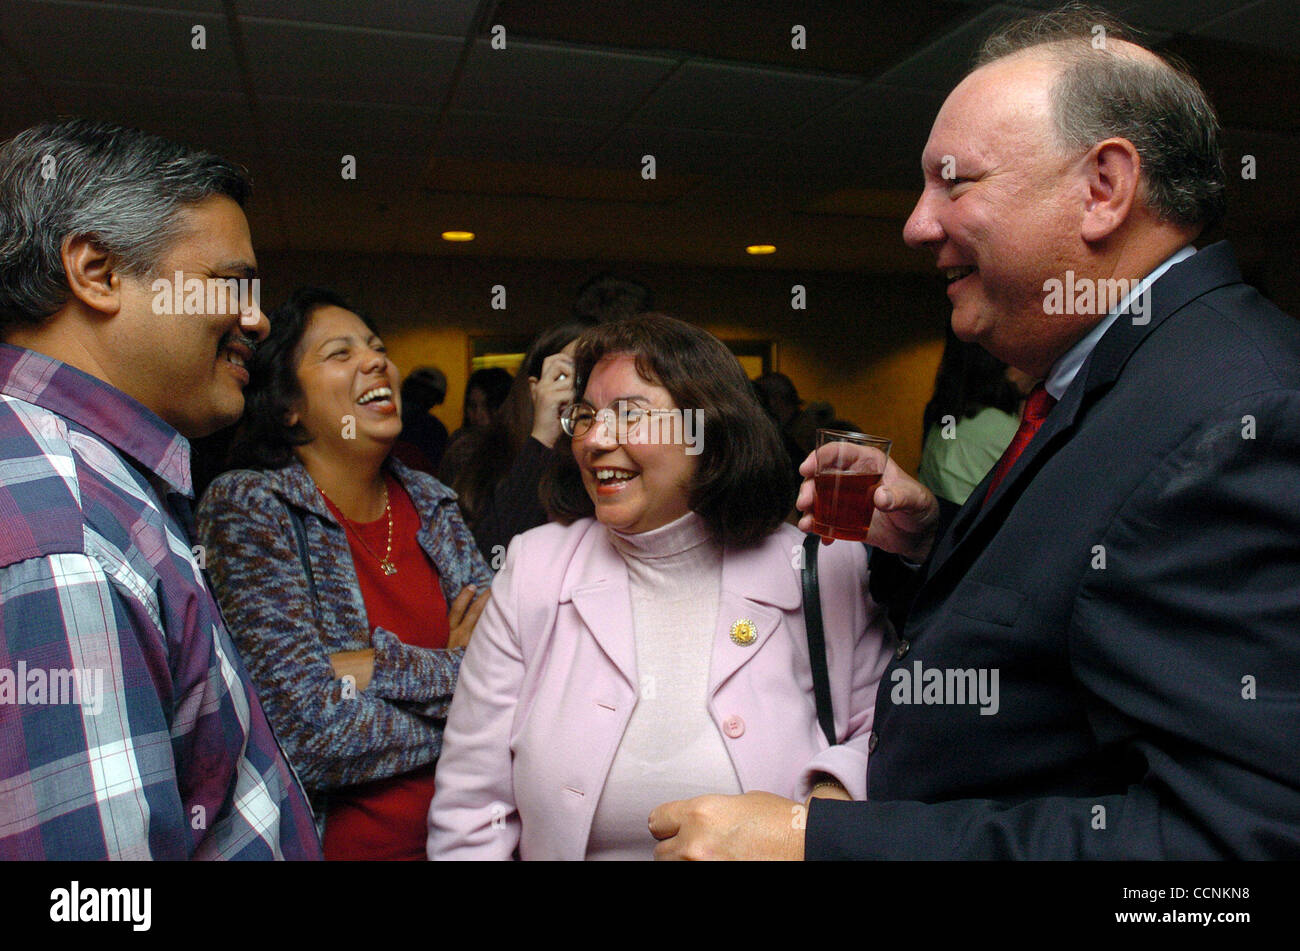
[332, 736]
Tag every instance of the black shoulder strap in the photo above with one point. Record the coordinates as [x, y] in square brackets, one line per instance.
[300, 533]
[812, 613]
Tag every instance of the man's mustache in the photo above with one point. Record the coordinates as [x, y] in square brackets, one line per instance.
[240, 338]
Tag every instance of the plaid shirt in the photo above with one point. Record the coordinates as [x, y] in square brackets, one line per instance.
[128, 727]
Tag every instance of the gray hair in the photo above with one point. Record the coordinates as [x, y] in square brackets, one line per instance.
[1155, 104]
[121, 187]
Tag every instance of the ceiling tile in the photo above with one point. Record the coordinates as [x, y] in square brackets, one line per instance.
[9, 72]
[92, 43]
[479, 176]
[509, 228]
[756, 193]
[840, 36]
[21, 107]
[318, 62]
[444, 17]
[517, 138]
[726, 98]
[347, 127]
[217, 121]
[198, 6]
[539, 145]
[380, 172]
[1173, 16]
[1273, 24]
[941, 65]
[1155, 20]
[873, 140]
[340, 221]
[679, 151]
[1252, 88]
[537, 80]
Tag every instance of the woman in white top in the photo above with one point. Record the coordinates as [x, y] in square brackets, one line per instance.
[653, 647]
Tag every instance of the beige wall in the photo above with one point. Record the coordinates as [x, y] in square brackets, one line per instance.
[868, 344]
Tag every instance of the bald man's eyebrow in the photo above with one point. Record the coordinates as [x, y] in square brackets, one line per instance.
[238, 269]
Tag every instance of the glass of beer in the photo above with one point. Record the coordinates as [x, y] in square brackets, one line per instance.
[849, 467]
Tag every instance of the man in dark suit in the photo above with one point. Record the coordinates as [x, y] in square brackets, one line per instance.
[1102, 658]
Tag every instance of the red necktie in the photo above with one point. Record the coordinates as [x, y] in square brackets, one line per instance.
[1037, 406]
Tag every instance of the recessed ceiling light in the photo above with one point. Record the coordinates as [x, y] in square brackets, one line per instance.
[458, 236]
[761, 249]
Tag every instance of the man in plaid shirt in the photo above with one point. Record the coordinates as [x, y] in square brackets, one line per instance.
[128, 727]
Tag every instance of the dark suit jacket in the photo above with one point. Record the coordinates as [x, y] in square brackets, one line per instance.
[1135, 583]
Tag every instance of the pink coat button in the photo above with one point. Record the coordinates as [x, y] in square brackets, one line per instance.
[733, 726]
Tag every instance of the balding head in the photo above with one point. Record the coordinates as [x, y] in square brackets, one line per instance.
[1054, 159]
[1105, 84]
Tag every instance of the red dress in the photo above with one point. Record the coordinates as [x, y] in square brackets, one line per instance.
[385, 819]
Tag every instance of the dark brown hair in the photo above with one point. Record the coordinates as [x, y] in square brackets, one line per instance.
[264, 440]
[743, 486]
[968, 380]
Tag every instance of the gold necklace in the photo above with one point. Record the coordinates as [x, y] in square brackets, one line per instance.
[386, 562]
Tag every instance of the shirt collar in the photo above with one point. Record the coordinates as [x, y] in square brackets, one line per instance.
[1067, 367]
[128, 425]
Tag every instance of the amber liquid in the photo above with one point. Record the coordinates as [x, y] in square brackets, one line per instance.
[842, 506]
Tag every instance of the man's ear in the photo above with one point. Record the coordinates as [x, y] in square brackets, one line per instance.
[93, 274]
[1112, 167]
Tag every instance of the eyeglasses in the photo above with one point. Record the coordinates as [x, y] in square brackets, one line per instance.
[578, 418]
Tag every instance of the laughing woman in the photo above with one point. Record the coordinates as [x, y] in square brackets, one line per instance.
[347, 579]
[653, 648]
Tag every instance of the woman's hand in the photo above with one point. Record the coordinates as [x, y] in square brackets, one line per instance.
[359, 665]
[552, 390]
[463, 615]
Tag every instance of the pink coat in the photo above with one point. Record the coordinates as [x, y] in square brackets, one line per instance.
[549, 682]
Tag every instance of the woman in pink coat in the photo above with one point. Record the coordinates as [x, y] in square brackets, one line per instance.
[657, 650]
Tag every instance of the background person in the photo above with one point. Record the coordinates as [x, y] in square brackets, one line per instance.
[357, 675]
[424, 437]
[970, 419]
[654, 645]
[499, 487]
[777, 394]
[608, 296]
[485, 391]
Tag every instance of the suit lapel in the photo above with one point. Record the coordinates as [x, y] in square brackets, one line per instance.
[603, 600]
[758, 585]
[729, 656]
[975, 513]
[1200, 274]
